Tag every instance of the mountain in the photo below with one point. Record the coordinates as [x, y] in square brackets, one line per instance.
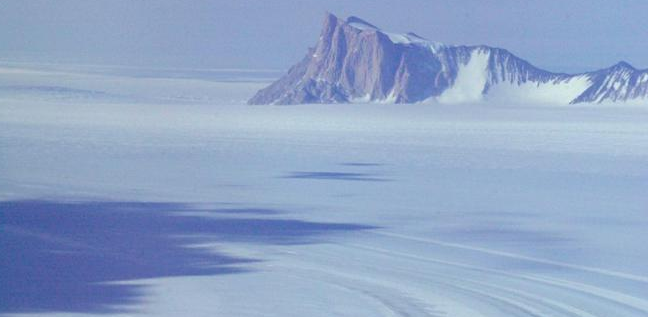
[355, 61]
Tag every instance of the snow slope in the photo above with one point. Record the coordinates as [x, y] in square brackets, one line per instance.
[470, 81]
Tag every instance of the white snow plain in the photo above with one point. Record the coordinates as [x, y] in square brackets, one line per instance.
[471, 210]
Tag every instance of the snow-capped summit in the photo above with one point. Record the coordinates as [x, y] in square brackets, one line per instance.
[355, 61]
[620, 82]
[359, 23]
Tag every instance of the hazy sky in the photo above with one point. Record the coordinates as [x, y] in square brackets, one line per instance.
[560, 35]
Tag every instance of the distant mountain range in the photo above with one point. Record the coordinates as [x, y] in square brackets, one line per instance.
[354, 61]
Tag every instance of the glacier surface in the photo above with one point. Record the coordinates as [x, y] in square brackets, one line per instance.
[168, 196]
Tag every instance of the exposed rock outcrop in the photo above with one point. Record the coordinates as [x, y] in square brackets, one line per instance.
[354, 61]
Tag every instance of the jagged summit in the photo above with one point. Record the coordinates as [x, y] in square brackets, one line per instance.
[623, 65]
[355, 61]
[359, 23]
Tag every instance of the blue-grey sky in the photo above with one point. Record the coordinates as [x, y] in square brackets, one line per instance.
[559, 35]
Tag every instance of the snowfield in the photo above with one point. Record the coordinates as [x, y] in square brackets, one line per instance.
[148, 193]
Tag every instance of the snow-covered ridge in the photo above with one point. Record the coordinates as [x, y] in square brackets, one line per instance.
[355, 61]
[410, 38]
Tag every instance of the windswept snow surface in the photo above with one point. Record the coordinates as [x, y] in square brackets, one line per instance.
[176, 199]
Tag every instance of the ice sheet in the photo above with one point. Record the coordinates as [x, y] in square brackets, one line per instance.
[483, 210]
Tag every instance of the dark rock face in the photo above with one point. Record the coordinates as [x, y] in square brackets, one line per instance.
[355, 61]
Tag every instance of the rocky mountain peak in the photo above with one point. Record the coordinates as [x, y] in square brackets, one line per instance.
[355, 61]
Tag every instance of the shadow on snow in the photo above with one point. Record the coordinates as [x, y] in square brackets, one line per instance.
[59, 256]
[340, 176]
